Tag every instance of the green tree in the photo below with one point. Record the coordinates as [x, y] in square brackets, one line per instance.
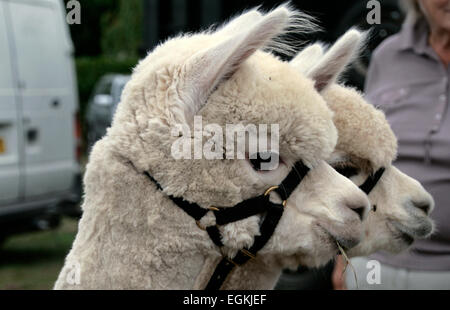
[86, 36]
[122, 31]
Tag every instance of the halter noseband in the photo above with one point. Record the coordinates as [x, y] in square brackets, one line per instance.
[244, 209]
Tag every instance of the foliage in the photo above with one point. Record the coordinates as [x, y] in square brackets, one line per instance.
[122, 32]
[86, 36]
[112, 28]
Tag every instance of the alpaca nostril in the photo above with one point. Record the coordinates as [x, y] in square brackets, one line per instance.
[360, 211]
[425, 207]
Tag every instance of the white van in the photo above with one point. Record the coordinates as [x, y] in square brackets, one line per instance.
[39, 133]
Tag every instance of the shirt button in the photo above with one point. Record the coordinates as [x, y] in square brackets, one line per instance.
[438, 117]
[443, 98]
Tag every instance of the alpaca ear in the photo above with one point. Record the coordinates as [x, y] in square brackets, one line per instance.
[307, 58]
[206, 69]
[333, 63]
[241, 22]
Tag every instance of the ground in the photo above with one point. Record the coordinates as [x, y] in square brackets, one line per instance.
[33, 261]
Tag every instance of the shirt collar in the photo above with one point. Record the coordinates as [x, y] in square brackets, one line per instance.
[414, 36]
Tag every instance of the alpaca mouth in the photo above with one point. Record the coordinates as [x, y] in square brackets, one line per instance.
[401, 233]
[406, 238]
[344, 242]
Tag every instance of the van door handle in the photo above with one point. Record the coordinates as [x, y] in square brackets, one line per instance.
[55, 103]
[32, 135]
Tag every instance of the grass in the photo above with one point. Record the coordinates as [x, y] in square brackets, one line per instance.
[33, 261]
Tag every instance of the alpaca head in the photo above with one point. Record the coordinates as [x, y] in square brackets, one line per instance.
[225, 77]
[400, 205]
[366, 143]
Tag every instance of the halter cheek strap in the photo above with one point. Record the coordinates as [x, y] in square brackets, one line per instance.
[225, 215]
[372, 181]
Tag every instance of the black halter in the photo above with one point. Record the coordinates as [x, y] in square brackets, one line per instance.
[372, 181]
[244, 209]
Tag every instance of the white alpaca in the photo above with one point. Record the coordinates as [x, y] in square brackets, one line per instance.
[366, 143]
[133, 236]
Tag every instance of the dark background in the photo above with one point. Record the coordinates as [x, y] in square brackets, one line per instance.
[114, 34]
[130, 27]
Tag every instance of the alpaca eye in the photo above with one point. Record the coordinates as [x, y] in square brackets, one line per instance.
[264, 161]
[347, 171]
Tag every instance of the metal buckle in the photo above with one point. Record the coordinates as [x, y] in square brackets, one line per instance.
[271, 189]
[231, 261]
[243, 251]
[200, 225]
[248, 253]
[212, 208]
